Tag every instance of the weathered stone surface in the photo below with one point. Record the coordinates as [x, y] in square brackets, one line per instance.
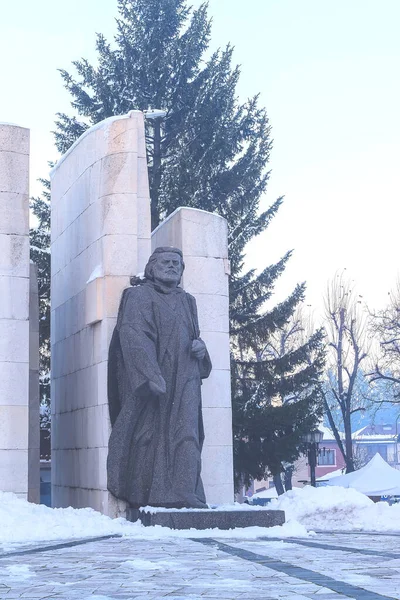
[14, 309]
[156, 364]
[207, 519]
[203, 239]
[95, 231]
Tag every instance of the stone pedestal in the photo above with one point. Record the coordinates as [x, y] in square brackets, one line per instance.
[14, 311]
[203, 239]
[207, 519]
[100, 237]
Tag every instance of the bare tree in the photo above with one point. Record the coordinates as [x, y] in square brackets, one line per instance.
[385, 328]
[347, 342]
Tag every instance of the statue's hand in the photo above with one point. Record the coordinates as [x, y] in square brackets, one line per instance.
[198, 349]
[156, 389]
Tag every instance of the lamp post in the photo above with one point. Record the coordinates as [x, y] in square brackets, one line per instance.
[397, 440]
[311, 440]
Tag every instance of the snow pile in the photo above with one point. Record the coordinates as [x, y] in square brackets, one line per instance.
[23, 522]
[325, 508]
[336, 508]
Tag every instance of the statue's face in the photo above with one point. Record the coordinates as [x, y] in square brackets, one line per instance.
[168, 268]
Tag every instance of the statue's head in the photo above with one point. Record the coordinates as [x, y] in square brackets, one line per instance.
[165, 265]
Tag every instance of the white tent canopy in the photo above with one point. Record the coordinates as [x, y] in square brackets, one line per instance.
[377, 478]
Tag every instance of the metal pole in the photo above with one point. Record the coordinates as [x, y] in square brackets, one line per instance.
[312, 460]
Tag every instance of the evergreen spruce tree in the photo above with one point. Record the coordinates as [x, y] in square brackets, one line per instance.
[209, 152]
[40, 255]
[277, 390]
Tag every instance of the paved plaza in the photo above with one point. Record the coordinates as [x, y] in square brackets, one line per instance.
[328, 566]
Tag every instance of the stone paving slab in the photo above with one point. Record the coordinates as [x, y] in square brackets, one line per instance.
[226, 569]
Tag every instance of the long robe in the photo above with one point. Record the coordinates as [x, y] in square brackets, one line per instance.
[154, 455]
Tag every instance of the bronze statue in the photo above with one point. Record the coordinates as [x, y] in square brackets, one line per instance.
[156, 363]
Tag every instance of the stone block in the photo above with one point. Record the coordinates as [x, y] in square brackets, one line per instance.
[33, 299]
[14, 138]
[14, 294]
[121, 135]
[217, 464]
[105, 424]
[213, 312]
[216, 390]
[198, 233]
[94, 427]
[205, 275]
[14, 471]
[14, 341]
[113, 507]
[220, 493]
[93, 498]
[87, 387]
[34, 475]
[34, 414]
[102, 468]
[203, 233]
[94, 173]
[14, 378]
[34, 350]
[102, 336]
[118, 174]
[144, 217]
[218, 348]
[143, 179]
[119, 254]
[61, 496]
[217, 426]
[143, 253]
[103, 296]
[94, 309]
[14, 172]
[207, 518]
[101, 378]
[117, 214]
[112, 290]
[14, 213]
[14, 255]
[14, 427]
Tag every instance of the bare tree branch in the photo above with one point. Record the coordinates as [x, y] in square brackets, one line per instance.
[346, 330]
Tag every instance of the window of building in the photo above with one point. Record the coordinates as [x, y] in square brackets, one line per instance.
[326, 457]
[372, 449]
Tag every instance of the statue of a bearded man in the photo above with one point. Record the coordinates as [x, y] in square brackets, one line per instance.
[156, 363]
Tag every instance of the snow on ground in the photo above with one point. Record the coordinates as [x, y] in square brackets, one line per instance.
[337, 508]
[306, 509]
[23, 522]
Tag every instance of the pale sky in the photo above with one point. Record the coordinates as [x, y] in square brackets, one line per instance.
[328, 74]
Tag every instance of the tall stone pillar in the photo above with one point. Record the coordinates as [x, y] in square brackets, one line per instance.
[203, 239]
[14, 309]
[34, 399]
[100, 237]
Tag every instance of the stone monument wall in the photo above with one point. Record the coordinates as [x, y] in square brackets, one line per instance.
[34, 399]
[14, 309]
[100, 237]
[203, 239]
